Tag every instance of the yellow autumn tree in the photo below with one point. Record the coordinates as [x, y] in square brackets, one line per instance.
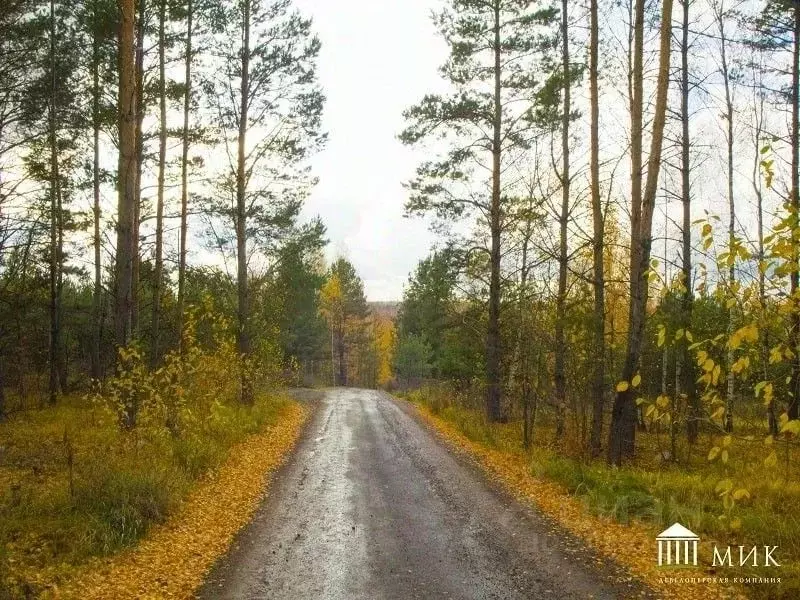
[344, 308]
[331, 307]
[384, 332]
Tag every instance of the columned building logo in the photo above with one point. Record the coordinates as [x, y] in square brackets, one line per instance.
[677, 546]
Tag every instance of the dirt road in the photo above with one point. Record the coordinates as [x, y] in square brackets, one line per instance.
[372, 506]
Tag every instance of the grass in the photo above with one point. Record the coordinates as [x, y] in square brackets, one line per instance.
[73, 485]
[657, 493]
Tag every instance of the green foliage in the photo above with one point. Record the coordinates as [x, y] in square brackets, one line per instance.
[295, 289]
[432, 312]
[284, 102]
[466, 117]
[413, 358]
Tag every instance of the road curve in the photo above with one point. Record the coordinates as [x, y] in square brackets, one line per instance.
[372, 506]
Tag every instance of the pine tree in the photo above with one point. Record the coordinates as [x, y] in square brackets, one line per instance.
[491, 68]
[267, 83]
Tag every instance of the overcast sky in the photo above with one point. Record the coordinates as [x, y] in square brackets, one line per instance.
[378, 58]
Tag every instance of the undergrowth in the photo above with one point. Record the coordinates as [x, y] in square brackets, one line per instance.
[76, 481]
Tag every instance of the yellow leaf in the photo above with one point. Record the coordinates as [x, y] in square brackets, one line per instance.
[775, 355]
[713, 453]
[724, 486]
[637, 379]
[701, 357]
[622, 386]
[792, 427]
[741, 493]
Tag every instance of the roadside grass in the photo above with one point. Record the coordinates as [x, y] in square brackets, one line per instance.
[74, 485]
[654, 494]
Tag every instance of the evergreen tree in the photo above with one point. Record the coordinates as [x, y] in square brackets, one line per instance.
[266, 84]
[493, 52]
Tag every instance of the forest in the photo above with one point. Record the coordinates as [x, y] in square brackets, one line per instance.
[612, 299]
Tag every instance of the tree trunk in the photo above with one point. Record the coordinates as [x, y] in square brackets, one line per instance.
[622, 436]
[599, 315]
[794, 341]
[494, 390]
[522, 349]
[137, 207]
[731, 382]
[243, 337]
[772, 421]
[61, 352]
[55, 255]
[158, 274]
[187, 100]
[623, 417]
[683, 359]
[561, 298]
[127, 174]
[340, 349]
[2, 392]
[98, 282]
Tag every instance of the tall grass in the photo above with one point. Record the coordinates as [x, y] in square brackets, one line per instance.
[121, 482]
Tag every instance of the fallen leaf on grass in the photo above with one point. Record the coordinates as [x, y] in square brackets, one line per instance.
[172, 560]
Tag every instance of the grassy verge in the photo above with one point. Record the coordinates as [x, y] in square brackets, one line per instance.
[74, 487]
[620, 511]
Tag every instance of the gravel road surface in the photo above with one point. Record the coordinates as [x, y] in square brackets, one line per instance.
[372, 506]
